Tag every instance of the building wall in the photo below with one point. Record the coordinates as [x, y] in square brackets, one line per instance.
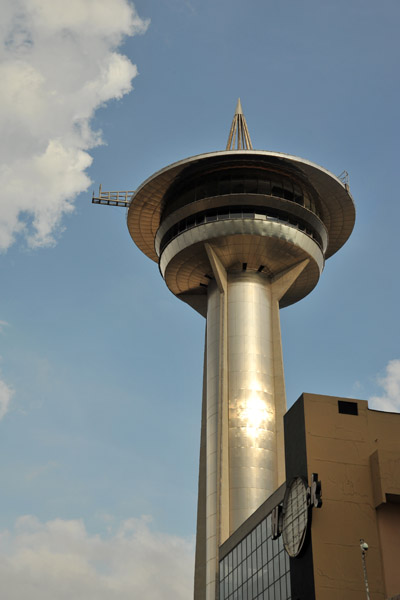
[301, 568]
[344, 449]
[389, 534]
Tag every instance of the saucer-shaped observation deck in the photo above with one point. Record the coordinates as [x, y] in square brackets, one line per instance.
[261, 211]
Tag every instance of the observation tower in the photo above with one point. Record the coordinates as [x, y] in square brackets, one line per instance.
[238, 234]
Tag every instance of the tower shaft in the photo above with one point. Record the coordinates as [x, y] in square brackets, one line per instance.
[244, 404]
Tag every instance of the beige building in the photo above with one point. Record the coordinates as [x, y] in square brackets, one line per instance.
[356, 453]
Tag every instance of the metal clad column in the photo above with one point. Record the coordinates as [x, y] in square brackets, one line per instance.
[201, 540]
[217, 489]
[213, 391]
[252, 439]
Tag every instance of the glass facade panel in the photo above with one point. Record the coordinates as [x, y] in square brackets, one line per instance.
[235, 561]
[239, 552]
[269, 543]
[254, 585]
[257, 568]
[282, 562]
[259, 556]
[283, 587]
[276, 567]
[264, 549]
[264, 530]
[270, 572]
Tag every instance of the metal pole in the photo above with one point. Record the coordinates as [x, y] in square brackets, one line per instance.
[364, 548]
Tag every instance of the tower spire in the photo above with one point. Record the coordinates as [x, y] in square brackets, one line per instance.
[239, 137]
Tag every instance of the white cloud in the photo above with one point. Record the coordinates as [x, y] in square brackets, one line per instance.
[6, 393]
[37, 471]
[3, 325]
[390, 400]
[58, 65]
[60, 559]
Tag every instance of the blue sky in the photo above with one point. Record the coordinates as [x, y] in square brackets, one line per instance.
[101, 367]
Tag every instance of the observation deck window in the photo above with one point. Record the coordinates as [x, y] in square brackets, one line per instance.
[203, 191]
[264, 187]
[238, 186]
[238, 212]
[252, 186]
[250, 181]
[224, 186]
